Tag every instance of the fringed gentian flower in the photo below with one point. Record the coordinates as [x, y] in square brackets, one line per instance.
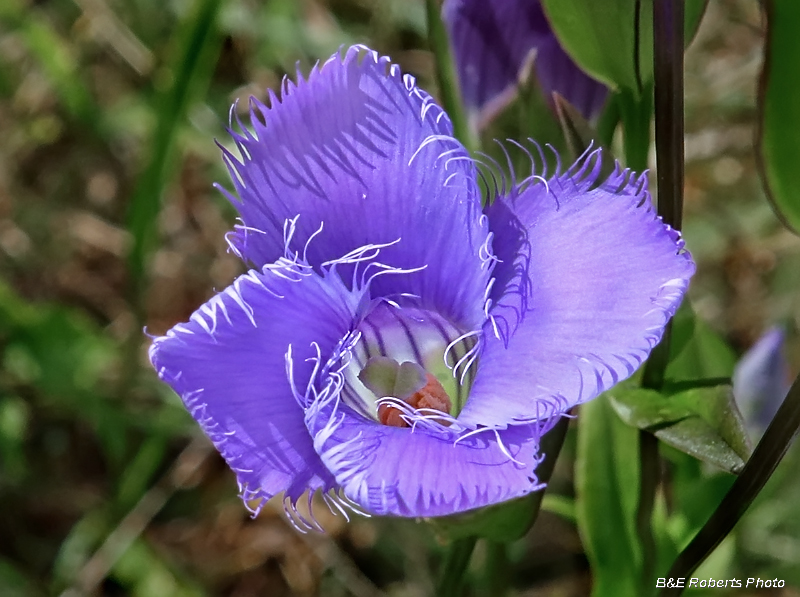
[761, 380]
[396, 347]
[495, 41]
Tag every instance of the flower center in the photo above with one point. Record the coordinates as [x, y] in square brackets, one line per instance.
[407, 382]
[409, 364]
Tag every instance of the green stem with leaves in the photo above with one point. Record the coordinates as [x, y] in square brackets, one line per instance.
[668, 17]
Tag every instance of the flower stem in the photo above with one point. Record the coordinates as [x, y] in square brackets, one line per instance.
[497, 569]
[454, 567]
[649, 480]
[668, 74]
[669, 127]
[449, 91]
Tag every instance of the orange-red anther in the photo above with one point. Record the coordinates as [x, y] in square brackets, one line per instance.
[431, 396]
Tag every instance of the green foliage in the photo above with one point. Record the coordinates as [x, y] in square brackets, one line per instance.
[613, 41]
[697, 352]
[128, 96]
[197, 46]
[607, 494]
[703, 422]
[779, 110]
[508, 521]
[56, 58]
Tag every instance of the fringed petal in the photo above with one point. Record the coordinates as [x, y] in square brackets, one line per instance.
[426, 470]
[588, 277]
[228, 365]
[364, 157]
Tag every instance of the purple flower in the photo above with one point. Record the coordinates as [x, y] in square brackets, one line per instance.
[495, 42]
[761, 380]
[373, 265]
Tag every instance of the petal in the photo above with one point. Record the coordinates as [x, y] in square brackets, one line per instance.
[761, 379]
[556, 72]
[358, 149]
[228, 365]
[494, 42]
[403, 472]
[588, 278]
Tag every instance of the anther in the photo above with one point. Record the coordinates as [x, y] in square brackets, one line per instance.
[431, 396]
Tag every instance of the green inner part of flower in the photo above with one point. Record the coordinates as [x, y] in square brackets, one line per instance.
[395, 353]
[386, 377]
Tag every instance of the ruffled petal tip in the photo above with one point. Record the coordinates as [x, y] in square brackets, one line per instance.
[588, 276]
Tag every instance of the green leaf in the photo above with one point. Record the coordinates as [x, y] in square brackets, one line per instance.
[561, 505]
[197, 49]
[607, 494]
[446, 76]
[697, 352]
[693, 14]
[779, 111]
[703, 421]
[613, 40]
[768, 453]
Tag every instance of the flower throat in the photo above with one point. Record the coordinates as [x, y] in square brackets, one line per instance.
[409, 364]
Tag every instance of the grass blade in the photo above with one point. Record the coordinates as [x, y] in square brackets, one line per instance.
[195, 59]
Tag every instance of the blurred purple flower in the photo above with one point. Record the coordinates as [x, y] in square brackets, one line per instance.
[311, 371]
[495, 41]
[761, 380]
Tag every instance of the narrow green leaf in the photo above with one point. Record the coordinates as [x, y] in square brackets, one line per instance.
[694, 11]
[607, 493]
[453, 573]
[697, 438]
[645, 409]
[779, 111]
[561, 505]
[139, 473]
[193, 63]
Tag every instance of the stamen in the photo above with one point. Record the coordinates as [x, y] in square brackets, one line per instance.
[432, 396]
[403, 364]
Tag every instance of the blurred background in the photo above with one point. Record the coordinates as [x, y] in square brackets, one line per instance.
[109, 223]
